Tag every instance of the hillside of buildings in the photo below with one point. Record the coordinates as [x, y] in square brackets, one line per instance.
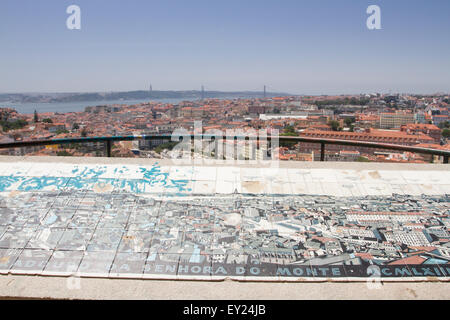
[411, 120]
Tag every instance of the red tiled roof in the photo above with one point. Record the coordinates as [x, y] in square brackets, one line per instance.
[373, 135]
[410, 260]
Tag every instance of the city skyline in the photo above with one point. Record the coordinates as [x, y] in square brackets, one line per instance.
[294, 47]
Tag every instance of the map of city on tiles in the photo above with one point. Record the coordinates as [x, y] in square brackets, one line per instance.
[211, 222]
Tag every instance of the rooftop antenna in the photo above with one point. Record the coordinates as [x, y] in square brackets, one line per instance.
[264, 91]
[203, 92]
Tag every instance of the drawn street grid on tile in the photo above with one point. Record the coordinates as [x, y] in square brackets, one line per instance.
[223, 222]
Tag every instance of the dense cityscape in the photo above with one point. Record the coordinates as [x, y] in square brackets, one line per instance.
[411, 120]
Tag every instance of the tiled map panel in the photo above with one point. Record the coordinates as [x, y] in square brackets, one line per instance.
[175, 222]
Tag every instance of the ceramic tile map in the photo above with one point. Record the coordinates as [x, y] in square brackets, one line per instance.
[209, 223]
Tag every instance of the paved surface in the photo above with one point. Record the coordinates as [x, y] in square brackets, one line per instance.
[86, 217]
[90, 288]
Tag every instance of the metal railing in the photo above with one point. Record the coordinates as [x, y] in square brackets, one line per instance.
[323, 142]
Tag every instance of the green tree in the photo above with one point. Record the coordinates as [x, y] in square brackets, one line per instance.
[84, 132]
[167, 145]
[348, 122]
[36, 118]
[444, 125]
[446, 133]
[13, 125]
[337, 102]
[289, 131]
[362, 159]
[75, 126]
[59, 131]
[334, 125]
[47, 120]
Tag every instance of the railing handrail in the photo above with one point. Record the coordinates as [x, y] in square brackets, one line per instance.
[323, 142]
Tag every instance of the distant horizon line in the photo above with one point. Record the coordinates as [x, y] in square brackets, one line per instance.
[232, 91]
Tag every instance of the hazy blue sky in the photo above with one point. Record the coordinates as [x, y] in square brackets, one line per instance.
[310, 47]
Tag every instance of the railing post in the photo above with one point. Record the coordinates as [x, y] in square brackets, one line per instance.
[446, 159]
[108, 148]
[322, 151]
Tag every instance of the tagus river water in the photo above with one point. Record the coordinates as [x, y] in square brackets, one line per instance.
[63, 107]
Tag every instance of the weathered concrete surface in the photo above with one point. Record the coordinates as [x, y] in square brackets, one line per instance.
[282, 164]
[57, 288]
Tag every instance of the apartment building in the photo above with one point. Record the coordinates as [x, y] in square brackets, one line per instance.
[395, 120]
